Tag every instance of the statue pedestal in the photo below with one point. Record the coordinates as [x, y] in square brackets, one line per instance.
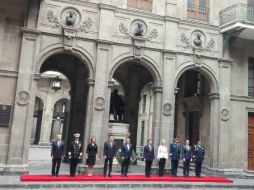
[120, 131]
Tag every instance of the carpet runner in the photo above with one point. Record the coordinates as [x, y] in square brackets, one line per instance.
[49, 178]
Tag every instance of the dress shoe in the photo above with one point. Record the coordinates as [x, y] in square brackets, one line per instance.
[109, 175]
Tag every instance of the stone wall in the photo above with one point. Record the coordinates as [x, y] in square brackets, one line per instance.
[12, 14]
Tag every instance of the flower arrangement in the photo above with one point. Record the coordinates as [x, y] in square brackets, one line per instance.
[133, 157]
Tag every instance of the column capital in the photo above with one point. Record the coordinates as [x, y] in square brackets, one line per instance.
[157, 89]
[213, 96]
[90, 82]
[110, 83]
[225, 63]
[107, 7]
[176, 90]
[37, 76]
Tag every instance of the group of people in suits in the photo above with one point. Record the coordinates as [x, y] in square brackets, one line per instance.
[184, 152]
[176, 152]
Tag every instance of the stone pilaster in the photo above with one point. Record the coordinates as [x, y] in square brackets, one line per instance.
[24, 104]
[168, 97]
[99, 116]
[224, 113]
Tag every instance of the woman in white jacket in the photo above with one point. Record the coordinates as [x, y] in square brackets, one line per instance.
[162, 156]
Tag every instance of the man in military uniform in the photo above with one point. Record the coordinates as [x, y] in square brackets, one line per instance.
[199, 156]
[75, 154]
[174, 153]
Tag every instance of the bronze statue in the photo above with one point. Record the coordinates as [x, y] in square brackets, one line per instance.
[116, 106]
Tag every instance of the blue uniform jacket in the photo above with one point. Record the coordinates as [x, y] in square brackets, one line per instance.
[175, 151]
[199, 153]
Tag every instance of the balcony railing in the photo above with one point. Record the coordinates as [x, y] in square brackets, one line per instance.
[237, 12]
[198, 13]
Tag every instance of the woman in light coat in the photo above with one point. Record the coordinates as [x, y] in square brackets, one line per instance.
[162, 156]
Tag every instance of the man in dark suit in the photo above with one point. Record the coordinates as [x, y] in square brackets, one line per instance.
[187, 158]
[199, 156]
[148, 157]
[109, 151]
[75, 154]
[57, 152]
[174, 153]
[126, 152]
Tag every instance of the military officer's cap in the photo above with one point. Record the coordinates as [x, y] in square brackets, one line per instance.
[76, 135]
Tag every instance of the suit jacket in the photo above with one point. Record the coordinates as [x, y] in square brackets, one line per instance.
[57, 151]
[76, 150]
[148, 154]
[199, 153]
[109, 151]
[175, 151]
[186, 154]
[125, 152]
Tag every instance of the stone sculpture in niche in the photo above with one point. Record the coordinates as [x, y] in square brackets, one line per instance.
[198, 41]
[71, 19]
[139, 30]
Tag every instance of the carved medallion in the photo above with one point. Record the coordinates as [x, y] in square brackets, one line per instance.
[138, 28]
[225, 114]
[99, 103]
[23, 97]
[70, 17]
[167, 109]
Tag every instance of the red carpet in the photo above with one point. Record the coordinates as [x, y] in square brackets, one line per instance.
[48, 178]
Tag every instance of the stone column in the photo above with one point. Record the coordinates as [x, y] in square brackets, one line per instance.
[212, 155]
[224, 120]
[88, 121]
[47, 123]
[24, 104]
[157, 132]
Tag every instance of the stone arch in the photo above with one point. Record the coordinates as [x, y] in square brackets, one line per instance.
[144, 62]
[206, 71]
[60, 50]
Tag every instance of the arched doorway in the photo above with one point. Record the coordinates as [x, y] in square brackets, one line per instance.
[77, 74]
[193, 108]
[133, 75]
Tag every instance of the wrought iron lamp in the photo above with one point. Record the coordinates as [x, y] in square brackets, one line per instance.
[56, 84]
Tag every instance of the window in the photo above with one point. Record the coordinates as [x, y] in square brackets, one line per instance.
[251, 77]
[198, 9]
[141, 4]
[144, 104]
[142, 133]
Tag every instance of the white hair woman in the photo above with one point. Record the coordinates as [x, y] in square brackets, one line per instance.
[162, 156]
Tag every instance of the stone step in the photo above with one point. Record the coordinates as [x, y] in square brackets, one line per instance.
[124, 185]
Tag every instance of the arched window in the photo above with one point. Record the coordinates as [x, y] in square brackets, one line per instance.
[141, 4]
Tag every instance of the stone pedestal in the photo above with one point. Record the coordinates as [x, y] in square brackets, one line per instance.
[120, 131]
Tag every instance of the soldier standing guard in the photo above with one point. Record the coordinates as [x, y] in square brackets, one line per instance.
[199, 156]
[174, 153]
[75, 154]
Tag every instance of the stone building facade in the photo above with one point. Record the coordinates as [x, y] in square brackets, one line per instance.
[197, 54]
